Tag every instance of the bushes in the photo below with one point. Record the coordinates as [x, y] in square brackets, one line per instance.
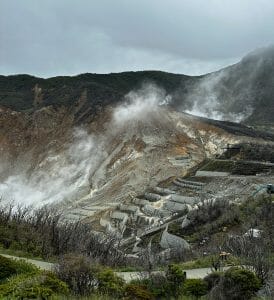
[26, 286]
[157, 285]
[163, 286]
[109, 283]
[7, 268]
[175, 277]
[21, 280]
[78, 273]
[42, 233]
[84, 277]
[234, 284]
[240, 284]
[137, 292]
[212, 279]
[10, 267]
[195, 287]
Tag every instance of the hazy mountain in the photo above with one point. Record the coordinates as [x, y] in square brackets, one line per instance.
[241, 92]
[94, 144]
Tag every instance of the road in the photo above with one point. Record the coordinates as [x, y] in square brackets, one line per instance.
[127, 276]
[43, 265]
[193, 273]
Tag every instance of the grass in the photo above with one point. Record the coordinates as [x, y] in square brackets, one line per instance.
[237, 167]
[21, 253]
[206, 262]
[91, 297]
[104, 297]
[128, 269]
[224, 166]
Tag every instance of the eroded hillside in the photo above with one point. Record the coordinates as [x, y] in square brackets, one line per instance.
[47, 157]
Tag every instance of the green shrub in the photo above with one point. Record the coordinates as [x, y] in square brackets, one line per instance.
[137, 292]
[26, 286]
[165, 286]
[194, 287]
[175, 277]
[79, 274]
[240, 284]
[175, 274]
[23, 267]
[158, 285]
[7, 268]
[10, 267]
[212, 279]
[110, 283]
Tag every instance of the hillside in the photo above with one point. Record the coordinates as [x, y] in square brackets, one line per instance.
[242, 92]
[116, 167]
[94, 91]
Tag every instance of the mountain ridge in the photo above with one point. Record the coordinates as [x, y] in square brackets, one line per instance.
[242, 92]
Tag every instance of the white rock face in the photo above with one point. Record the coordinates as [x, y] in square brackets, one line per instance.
[172, 241]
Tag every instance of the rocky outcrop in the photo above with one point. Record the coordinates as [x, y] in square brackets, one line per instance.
[170, 241]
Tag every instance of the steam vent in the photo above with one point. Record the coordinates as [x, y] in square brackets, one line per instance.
[136, 150]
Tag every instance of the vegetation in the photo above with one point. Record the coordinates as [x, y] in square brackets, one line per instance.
[43, 234]
[240, 284]
[109, 283]
[195, 287]
[16, 92]
[237, 167]
[206, 262]
[78, 276]
[21, 280]
[10, 267]
[138, 292]
[87, 274]
[39, 286]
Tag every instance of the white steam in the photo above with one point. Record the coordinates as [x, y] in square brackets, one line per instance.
[140, 103]
[206, 100]
[66, 175]
[59, 177]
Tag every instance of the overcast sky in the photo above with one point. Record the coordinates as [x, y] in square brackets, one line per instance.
[66, 37]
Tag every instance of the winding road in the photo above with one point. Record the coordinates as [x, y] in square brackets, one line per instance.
[127, 276]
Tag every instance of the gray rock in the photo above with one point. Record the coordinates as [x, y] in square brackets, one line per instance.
[169, 241]
[152, 197]
[185, 222]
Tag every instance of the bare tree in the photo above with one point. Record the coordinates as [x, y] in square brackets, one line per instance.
[253, 254]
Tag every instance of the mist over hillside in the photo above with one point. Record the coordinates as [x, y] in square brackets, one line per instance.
[241, 93]
[137, 149]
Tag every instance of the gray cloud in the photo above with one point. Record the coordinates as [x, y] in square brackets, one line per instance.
[48, 38]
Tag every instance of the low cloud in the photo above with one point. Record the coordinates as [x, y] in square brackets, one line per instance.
[138, 104]
[210, 98]
[62, 176]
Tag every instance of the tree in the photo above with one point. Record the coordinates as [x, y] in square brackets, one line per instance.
[240, 284]
[79, 273]
[175, 277]
[253, 252]
[109, 283]
[195, 287]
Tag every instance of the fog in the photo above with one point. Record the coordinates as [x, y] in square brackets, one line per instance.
[139, 103]
[67, 176]
[211, 97]
[62, 176]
